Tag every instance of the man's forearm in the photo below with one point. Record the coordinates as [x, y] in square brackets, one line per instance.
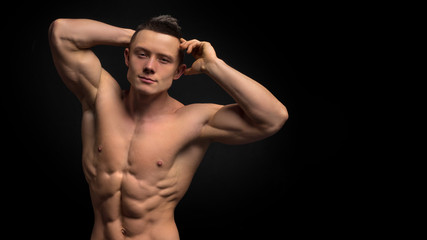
[255, 100]
[86, 33]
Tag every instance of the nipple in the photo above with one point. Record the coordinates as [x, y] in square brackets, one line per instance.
[99, 148]
[159, 163]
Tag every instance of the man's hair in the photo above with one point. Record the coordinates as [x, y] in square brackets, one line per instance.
[165, 24]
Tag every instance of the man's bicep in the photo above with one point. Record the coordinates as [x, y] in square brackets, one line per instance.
[230, 125]
[80, 69]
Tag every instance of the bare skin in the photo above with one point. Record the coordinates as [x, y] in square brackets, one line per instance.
[141, 147]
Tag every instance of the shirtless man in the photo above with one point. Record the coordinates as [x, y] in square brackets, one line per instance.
[141, 147]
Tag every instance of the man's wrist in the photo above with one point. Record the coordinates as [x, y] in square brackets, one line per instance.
[212, 66]
[125, 37]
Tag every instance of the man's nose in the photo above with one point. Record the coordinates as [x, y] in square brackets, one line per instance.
[148, 70]
[149, 66]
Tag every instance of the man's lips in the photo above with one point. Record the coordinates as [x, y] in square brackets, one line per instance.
[146, 79]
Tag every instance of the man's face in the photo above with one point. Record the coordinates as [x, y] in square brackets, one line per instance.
[153, 62]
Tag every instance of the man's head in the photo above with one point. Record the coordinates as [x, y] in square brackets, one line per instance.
[154, 56]
[165, 24]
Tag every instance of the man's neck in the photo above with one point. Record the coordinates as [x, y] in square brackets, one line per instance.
[145, 107]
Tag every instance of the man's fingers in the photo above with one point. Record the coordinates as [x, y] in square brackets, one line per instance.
[184, 43]
[189, 45]
[190, 71]
[190, 48]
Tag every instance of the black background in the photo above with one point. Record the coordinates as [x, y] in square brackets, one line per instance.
[295, 182]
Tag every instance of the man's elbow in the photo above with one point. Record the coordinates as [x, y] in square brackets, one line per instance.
[276, 122]
[53, 28]
[281, 119]
[57, 30]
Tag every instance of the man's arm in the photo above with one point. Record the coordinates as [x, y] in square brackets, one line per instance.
[78, 66]
[257, 113]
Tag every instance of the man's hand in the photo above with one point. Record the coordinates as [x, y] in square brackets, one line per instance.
[203, 52]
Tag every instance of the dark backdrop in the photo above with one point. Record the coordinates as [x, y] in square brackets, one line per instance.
[294, 182]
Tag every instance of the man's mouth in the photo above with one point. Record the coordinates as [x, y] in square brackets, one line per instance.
[146, 79]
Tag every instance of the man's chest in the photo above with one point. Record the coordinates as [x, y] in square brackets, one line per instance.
[142, 147]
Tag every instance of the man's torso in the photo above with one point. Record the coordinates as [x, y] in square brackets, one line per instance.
[138, 171]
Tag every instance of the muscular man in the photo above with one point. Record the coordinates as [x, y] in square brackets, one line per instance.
[141, 147]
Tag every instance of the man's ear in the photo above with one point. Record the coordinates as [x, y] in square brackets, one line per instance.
[179, 71]
[126, 54]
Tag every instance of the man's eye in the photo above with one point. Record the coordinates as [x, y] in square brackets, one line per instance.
[142, 55]
[164, 60]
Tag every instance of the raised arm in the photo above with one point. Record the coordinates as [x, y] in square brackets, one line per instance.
[78, 66]
[257, 113]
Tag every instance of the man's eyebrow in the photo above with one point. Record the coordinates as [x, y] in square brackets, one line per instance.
[138, 48]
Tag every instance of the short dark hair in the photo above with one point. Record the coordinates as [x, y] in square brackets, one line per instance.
[165, 24]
